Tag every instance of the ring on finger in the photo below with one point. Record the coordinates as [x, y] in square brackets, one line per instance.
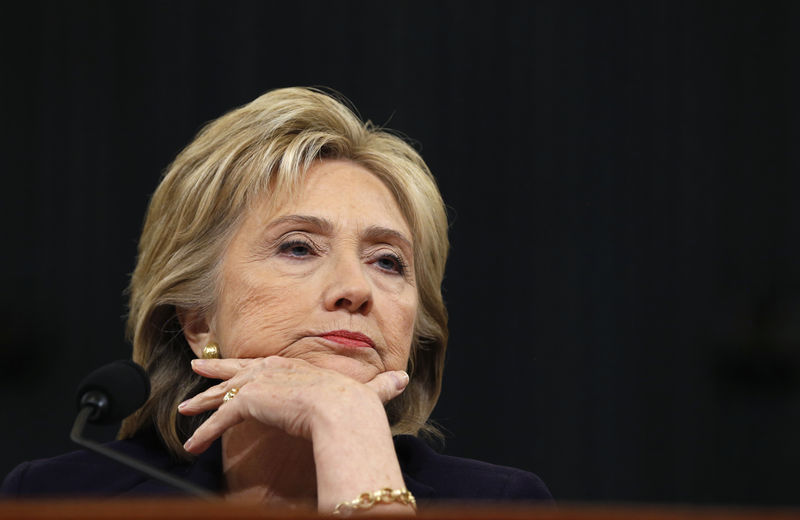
[230, 394]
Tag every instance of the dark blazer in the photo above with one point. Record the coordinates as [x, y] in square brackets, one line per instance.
[430, 476]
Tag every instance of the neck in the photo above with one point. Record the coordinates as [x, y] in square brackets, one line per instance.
[262, 464]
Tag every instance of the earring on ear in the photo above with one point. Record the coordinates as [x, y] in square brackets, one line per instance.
[211, 351]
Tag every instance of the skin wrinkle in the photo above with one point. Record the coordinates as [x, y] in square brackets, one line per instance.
[259, 304]
[372, 239]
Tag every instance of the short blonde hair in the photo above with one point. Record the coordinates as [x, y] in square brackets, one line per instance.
[264, 149]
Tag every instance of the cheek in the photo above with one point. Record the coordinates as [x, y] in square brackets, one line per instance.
[400, 327]
[253, 319]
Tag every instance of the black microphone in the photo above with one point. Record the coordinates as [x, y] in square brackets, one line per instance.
[114, 391]
[109, 394]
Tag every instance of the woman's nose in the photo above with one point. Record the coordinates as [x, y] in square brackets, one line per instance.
[348, 287]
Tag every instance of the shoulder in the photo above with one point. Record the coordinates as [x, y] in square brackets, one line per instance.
[83, 472]
[443, 477]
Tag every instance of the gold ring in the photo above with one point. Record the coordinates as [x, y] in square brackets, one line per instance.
[230, 394]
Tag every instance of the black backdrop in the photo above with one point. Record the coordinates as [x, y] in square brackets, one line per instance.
[624, 285]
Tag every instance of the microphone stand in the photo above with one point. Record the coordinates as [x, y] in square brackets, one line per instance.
[77, 436]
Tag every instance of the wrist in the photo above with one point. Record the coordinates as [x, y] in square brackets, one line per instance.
[380, 497]
[356, 413]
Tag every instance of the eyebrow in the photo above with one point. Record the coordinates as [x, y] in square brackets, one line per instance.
[372, 233]
[375, 233]
[323, 225]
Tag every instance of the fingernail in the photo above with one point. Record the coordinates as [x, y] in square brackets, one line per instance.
[198, 363]
[183, 405]
[402, 379]
[187, 444]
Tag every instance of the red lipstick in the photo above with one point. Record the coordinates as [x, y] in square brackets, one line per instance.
[349, 338]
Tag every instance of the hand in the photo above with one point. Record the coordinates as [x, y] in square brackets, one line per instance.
[290, 394]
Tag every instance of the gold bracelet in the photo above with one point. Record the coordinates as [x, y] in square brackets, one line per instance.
[382, 496]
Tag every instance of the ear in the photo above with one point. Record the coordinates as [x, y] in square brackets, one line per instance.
[196, 329]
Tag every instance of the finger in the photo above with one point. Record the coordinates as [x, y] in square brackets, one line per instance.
[209, 399]
[220, 368]
[389, 385]
[225, 417]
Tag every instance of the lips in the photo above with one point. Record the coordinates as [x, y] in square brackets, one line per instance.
[349, 338]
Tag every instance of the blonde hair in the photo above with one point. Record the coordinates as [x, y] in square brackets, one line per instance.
[264, 149]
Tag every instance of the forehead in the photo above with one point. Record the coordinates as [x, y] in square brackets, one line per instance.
[341, 192]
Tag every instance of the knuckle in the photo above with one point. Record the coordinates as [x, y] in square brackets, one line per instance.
[271, 361]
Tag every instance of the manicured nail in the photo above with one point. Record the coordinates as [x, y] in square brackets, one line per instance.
[188, 444]
[183, 404]
[198, 363]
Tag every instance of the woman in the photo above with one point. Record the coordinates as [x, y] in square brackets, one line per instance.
[286, 303]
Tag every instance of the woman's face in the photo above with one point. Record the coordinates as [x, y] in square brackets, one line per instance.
[328, 278]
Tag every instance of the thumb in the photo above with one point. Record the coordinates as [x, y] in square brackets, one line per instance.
[389, 385]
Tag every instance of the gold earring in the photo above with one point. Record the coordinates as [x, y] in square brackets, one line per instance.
[211, 351]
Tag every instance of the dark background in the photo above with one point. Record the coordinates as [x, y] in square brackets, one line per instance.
[624, 285]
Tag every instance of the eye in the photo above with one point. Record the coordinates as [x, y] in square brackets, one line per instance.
[391, 263]
[296, 249]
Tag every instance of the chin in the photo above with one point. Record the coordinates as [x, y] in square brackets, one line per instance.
[357, 369]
